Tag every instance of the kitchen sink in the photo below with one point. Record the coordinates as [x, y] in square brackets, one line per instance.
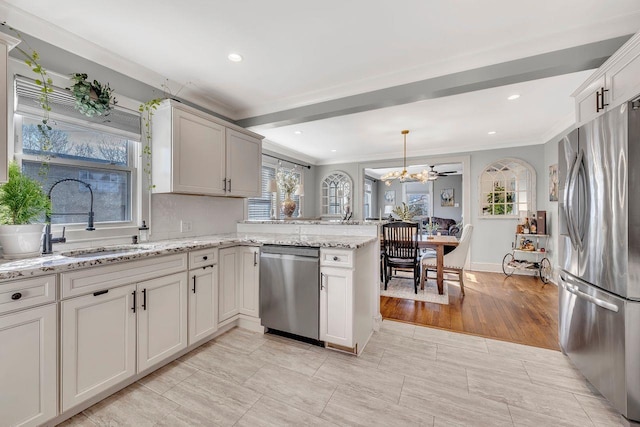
[98, 252]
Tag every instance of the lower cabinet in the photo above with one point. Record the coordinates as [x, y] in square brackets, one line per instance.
[28, 366]
[348, 282]
[100, 340]
[336, 306]
[98, 343]
[239, 281]
[203, 302]
[162, 319]
[249, 280]
[229, 300]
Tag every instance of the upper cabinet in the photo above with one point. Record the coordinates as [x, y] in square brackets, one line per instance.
[195, 153]
[614, 83]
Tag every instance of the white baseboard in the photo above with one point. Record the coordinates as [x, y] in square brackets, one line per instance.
[497, 268]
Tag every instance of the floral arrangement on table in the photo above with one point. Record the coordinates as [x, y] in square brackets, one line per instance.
[404, 212]
[287, 181]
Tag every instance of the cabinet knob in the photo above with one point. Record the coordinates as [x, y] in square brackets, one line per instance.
[204, 258]
[16, 296]
[335, 258]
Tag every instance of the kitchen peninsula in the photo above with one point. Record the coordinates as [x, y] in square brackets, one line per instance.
[95, 320]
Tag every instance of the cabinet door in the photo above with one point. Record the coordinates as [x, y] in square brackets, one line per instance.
[98, 343]
[249, 280]
[586, 101]
[28, 366]
[244, 165]
[203, 302]
[198, 155]
[336, 306]
[229, 295]
[162, 318]
[624, 82]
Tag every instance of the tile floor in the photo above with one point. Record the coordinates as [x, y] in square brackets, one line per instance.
[407, 375]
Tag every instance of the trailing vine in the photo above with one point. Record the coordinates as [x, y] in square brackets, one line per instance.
[147, 110]
[92, 98]
[32, 59]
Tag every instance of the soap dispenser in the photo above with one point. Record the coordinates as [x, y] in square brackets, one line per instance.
[143, 232]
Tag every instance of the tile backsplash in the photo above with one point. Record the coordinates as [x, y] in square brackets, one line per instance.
[207, 215]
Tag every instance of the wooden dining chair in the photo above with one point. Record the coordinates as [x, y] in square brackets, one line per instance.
[454, 261]
[400, 250]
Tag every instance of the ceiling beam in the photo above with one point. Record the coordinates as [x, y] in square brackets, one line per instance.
[570, 60]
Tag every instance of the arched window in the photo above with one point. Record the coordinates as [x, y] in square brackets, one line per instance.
[507, 187]
[336, 194]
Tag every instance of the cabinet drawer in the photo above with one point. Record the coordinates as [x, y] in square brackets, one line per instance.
[20, 294]
[95, 279]
[336, 257]
[203, 258]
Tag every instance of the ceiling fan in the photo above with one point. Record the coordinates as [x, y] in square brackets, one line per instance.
[434, 174]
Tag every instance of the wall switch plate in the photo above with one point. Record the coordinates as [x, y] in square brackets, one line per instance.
[185, 226]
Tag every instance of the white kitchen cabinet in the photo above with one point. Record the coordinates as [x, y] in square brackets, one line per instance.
[244, 165]
[229, 297]
[614, 83]
[348, 288]
[249, 280]
[162, 318]
[196, 153]
[336, 306]
[28, 366]
[203, 302]
[98, 343]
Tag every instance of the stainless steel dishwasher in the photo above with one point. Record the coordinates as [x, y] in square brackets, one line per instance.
[290, 289]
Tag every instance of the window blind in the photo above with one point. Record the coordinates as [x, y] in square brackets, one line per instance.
[120, 121]
[260, 207]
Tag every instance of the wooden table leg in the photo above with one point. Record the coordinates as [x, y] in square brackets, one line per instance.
[440, 267]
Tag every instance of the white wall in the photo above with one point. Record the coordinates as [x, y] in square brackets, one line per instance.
[452, 212]
[208, 215]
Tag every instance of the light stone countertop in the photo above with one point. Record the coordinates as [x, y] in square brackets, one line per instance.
[313, 222]
[63, 260]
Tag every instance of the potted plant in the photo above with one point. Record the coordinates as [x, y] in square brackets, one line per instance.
[92, 98]
[22, 200]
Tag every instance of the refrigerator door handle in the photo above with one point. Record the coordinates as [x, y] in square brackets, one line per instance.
[577, 242]
[582, 224]
[597, 301]
[568, 195]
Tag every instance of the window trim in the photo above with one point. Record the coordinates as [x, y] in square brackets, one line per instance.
[128, 227]
[531, 190]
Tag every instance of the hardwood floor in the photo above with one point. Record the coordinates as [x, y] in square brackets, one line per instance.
[518, 309]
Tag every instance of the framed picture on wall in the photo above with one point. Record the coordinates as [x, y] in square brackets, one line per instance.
[390, 197]
[553, 183]
[446, 197]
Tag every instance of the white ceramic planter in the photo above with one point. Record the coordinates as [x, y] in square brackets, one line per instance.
[21, 241]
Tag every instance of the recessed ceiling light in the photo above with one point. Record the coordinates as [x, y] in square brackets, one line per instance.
[235, 57]
[514, 96]
[298, 132]
[493, 132]
[333, 151]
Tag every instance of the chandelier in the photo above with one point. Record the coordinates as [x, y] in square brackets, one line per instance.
[403, 175]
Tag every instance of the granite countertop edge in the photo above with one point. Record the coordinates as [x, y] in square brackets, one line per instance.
[58, 262]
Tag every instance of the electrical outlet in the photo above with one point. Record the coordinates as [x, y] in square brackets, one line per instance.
[185, 226]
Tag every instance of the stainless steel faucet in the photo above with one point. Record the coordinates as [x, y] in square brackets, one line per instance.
[49, 240]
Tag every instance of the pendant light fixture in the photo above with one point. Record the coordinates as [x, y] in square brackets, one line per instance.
[403, 175]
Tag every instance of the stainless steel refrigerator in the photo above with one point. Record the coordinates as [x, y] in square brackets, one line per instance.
[599, 254]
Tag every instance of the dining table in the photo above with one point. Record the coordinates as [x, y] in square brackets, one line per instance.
[438, 243]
